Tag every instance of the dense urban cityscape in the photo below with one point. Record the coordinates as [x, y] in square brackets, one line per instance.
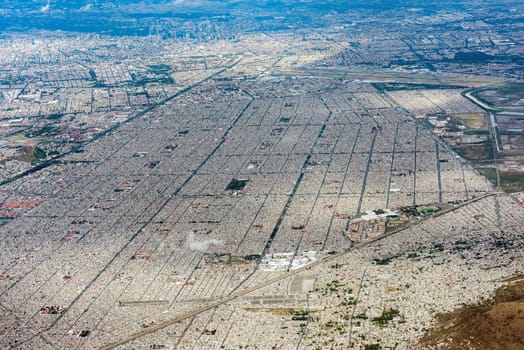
[276, 175]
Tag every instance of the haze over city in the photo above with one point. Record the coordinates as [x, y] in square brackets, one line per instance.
[219, 174]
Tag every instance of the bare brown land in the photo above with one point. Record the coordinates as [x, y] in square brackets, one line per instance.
[494, 324]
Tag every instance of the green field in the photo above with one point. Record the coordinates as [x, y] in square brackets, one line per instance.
[510, 181]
